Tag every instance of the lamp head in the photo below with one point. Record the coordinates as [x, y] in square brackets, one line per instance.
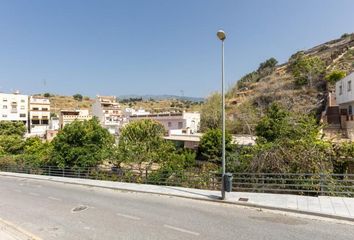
[221, 35]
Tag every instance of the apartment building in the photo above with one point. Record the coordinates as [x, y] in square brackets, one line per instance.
[173, 121]
[14, 107]
[345, 101]
[68, 116]
[39, 115]
[109, 113]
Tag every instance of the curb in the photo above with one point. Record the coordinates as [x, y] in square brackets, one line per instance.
[244, 204]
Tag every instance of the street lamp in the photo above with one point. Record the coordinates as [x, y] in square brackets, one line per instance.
[222, 36]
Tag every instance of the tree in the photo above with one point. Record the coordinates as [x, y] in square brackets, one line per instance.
[279, 124]
[210, 146]
[82, 144]
[12, 128]
[289, 143]
[335, 76]
[211, 113]
[36, 152]
[78, 97]
[141, 143]
[274, 124]
[268, 64]
[47, 95]
[306, 69]
[11, 144]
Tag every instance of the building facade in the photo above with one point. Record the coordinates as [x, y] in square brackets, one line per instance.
[173, 121]
[14, 107]
[109, 113]
[68, 116]
[39, 115]
[345, 102]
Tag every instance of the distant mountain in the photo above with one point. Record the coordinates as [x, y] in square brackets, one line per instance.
[162, 97]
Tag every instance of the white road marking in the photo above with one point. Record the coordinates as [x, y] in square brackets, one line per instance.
[33, 194]
[181, 230]
[128, 216]
[54, 198]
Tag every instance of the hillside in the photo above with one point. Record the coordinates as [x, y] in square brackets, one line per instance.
[252, 94]
[162, 105]
[163, 97]
[59, 102]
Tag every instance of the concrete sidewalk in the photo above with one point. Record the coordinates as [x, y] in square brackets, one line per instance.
[333, 207]
[9, 231]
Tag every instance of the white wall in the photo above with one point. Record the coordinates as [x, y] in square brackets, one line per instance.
[346, 96]
[97, 110]
[13, 112]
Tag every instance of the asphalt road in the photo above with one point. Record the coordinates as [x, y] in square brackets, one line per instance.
[63, 211]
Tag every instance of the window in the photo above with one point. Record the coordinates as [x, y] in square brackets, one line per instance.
[4, 116]
[22, 100]
[350, 110]
[349, 86]
[180, 125]
[44, 109]
[169, 124]
[22, 115]
[22, 107]
[4, 100]
[4, 107]
[35, 109]
[340, 90]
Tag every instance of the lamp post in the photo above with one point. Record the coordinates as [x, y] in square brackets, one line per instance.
[222, 36]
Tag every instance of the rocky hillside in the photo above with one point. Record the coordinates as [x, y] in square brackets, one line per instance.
[252, 94]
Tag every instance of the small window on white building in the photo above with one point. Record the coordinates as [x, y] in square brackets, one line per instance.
[22, 100]
[4, 116]
[4, 107]
[340, 90]
[4, 100]
[22, 115]
[169, 124]
[180, 125]
[349, 86]
[22, 107]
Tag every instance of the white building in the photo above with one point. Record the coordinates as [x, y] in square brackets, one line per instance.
[345, 101]
[39, 115]
[14, 107]
[54, 123]
[108, 111]
[68, 116]
[131, 111]
[173, 121]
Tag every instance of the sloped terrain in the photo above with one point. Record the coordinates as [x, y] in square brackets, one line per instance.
[279, 85]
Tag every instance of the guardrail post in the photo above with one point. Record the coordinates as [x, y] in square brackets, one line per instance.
[321, 183]
[146, 175]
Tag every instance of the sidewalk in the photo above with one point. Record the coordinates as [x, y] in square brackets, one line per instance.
[333, 207]
[10, 232]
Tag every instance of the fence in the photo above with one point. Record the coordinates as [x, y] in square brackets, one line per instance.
[303, 184]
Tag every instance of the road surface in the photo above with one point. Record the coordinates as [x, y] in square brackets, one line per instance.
[52, 210]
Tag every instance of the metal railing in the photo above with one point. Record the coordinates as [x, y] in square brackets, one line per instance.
[302, 184]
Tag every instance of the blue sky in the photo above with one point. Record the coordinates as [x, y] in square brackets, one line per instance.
[154, 46]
